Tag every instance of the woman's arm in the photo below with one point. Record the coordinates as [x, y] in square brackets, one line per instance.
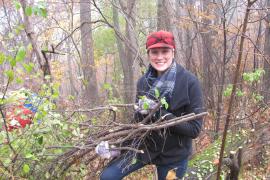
[191, 128]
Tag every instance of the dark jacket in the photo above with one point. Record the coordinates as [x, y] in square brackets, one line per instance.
[175, 143]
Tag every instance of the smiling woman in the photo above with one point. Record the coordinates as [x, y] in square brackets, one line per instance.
[169, 148]
[161, 59]
[160, 49]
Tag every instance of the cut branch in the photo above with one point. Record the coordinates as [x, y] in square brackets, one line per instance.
[117, 135]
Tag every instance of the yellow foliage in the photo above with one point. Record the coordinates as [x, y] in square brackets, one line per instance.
[57, 70]
[186, 23]
[206, 16]
[104, 61]
[171, 175]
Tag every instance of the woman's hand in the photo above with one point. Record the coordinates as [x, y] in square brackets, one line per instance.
[104, 151]
[145, 105]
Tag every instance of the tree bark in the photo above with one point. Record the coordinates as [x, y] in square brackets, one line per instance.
[237, 74]
[162, 16]
[167, 20]
[222, 77]
[72, 89]
[43, 62]
[266, 64]
[128, 55]
[207, 60]
[90, 94]
[121, 52]
[188, 36]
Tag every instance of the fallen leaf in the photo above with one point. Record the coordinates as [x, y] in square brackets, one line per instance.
[171, 175]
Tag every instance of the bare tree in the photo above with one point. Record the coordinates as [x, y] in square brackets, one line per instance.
[187, 35]
[72, 89]
[128, 55]
[131, 56]
[126, 64]
[162, 16]
[235, 81]
[267, 56]
[90, 93]
[207, 59]
[167, 20]
[41, 56]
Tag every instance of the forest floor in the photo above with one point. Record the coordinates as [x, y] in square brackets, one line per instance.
[252, 171]
[257, 168]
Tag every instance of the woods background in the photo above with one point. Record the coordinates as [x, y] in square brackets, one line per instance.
[84, 54]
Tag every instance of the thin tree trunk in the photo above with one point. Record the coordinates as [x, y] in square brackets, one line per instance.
[90, 93]
[222, 77]
[206, 34]
[235, 81]
[256, 58]
[129, 82]
[167, 9]
[267, 58]
[187, 36]
[43, 62]
[72, 91]
[162, 16]
[121, 51]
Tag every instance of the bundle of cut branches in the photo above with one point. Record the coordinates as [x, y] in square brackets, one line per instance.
[116, 134]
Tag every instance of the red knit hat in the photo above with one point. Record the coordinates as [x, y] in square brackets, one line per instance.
[160, 39]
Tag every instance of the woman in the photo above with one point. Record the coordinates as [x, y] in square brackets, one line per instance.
[167, 149]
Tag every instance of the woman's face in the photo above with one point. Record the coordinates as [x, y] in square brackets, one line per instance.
[161, 58]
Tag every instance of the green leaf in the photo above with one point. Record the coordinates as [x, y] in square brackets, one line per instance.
[134, 161]
[142, 97]
[35, 10]
[70, 97]
[107, 86]
[43, 12]
[19, 28]
[29, 156]
[10, 75]
[10, 35]
[157, 94]
[7, 162]
[19, 80]
[253, 76]
[2, 58]
[2, 101]
[228, 90]
[239, 93]
[31, 64]
[20, 54]
[145, 106]
[29, 47]
[17, 5]
[26, 168]
[257, 97]
[47, 175]
[40, 140]
[28, 11]
[164, 103]
[40, 10]
[13, 62]
[47, 77]
[28, 67]
[94, 121]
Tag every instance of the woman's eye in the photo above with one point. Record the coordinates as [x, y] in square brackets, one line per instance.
[165, 51]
